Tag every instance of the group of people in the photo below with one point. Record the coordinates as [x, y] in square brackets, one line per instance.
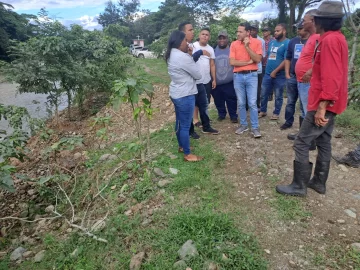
[243, 76]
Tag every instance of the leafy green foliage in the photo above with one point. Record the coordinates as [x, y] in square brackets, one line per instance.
[139, 94]
[5, 177]
[73, 61]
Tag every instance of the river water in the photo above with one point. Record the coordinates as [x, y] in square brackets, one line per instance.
[34, 103]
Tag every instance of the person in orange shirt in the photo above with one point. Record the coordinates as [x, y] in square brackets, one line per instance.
[245, 54]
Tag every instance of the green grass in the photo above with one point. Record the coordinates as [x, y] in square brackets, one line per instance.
[192, 213]
[350, 119]
[338, 257]
[154, 70]
[289, 208]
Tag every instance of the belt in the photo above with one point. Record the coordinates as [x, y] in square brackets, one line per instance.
[245, 71]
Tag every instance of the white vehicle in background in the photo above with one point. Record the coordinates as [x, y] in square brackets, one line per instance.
[145, 53]
[135, 49]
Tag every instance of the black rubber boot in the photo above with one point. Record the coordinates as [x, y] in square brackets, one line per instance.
[298, 187]
[292, 137]
[321, 174]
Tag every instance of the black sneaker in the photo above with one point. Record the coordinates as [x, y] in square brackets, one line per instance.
[194, 135]
[210, 130]
[220, 118]
[285, 126]
[234, 120]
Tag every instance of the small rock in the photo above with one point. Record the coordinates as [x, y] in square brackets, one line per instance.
[128, 213]
[146, 222]
[39, 256]
[350, 213]
[49, 209]
[28, 254]
[292, 263]
[267, 251]
[356, 246]
[106, 157]
[341, 221]
[77, 155]
[224, 257]
[342, 235]
[163, 183]
[343, 168]
[17, 254]
[136, 261]
[75, 253]
[180, 265]
[188, 251]
[174, 171]
[159, 172]
[69, 230]
[172, 156]
[31, 192]
[212, 266]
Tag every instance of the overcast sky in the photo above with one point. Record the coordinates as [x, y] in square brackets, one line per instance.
[85, 12]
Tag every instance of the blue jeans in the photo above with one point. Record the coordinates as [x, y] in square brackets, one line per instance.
[292, 96]
[246, 87]
[184, 110]
[225, 93]
[268, 84]
[303, 94]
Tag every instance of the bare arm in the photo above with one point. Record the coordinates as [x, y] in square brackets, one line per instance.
[213, 72]
[237, 63]
[276, 70]
[255, 57]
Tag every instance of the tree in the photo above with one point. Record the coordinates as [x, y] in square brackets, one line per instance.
[111, 15]
[122, 13]
[292, 7]
[13, 26]
[353, 23]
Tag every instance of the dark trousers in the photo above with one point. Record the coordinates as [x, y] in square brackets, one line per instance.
[309, 132]
[201, 101]
[208, 88]
[292, 94]
[225, 94]
[260, 77]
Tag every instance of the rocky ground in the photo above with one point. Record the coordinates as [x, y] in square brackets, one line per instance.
[295, 235]
[333, 219]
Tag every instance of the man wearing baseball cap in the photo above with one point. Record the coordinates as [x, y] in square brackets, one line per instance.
[327, 97]
[224, 93]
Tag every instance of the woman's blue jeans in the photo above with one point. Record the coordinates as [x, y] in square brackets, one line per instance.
[184, 110]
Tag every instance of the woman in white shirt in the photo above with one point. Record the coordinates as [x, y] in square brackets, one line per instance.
[183, 73]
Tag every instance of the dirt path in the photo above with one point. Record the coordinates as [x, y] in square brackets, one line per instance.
[295, 233]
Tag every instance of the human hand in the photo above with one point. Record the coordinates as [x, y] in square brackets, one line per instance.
[213, 84]
[287, 75]
[307, 76]
[273, 74]
[205, 52]
[190, 50]
[251, 61]
[246, 41]
[319, 118]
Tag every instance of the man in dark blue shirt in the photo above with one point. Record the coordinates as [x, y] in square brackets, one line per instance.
[293, 53]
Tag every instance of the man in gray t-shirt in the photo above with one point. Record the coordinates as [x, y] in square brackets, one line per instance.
[224, 93]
